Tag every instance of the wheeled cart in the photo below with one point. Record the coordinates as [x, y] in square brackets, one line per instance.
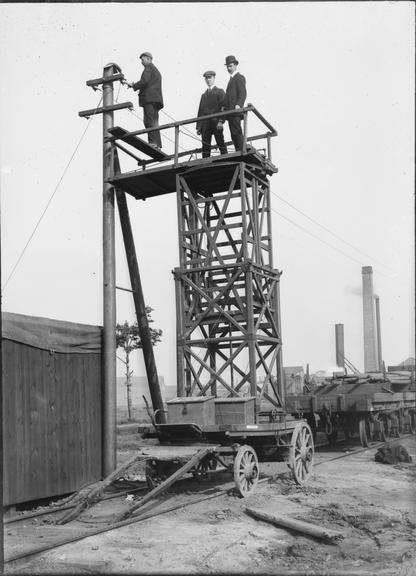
[236, 448]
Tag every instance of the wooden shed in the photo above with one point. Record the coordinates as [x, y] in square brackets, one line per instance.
[52, 404]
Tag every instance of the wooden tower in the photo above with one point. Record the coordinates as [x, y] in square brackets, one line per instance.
[227, 289]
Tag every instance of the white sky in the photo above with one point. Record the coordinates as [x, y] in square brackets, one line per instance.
[335, 79]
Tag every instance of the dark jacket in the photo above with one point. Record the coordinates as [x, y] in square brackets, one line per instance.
[211, 101]
[150, 86]
[236, 92]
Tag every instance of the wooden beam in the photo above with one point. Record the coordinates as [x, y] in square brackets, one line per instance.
[88, 113]
[296, 525]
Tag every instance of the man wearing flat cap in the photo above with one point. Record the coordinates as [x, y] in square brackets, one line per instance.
[212, 101]
[150, 97]
[235, 96]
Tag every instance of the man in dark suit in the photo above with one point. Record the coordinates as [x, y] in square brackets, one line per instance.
[212, 101]
[235, 96]
[150, 97]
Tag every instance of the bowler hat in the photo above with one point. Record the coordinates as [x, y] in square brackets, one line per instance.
[146, 54]
[231, 60]
[208, 73]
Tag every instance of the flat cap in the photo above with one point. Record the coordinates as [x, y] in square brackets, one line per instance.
[146, 54]
[231, 60]
[208, 73]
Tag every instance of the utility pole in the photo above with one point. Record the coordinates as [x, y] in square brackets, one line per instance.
[112, 73]
[109, 284]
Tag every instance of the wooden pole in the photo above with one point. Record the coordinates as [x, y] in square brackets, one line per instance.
[109, 287]
[139, 304]
[164, 485]
[297, 525]
[96, 491]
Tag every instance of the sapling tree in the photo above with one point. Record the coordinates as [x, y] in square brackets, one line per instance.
[128, 339]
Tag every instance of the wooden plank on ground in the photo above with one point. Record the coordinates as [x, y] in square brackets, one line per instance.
[297, 525]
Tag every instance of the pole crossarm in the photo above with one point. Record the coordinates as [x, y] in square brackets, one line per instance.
[98, 81]
[93, 111]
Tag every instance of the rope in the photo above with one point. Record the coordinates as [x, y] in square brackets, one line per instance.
[50, 199]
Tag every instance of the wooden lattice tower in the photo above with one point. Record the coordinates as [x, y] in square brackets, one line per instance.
[227, 290]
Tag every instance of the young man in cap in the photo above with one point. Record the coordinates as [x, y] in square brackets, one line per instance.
[150, 96]
[212, 101]
[235, 96]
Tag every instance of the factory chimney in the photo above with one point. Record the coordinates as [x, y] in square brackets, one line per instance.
[339, 345]
[378, 326]
[370, 339]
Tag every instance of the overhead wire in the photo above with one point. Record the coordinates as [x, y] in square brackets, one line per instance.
[51, 198]
[184, 131]
[337, 236]
[321, 240]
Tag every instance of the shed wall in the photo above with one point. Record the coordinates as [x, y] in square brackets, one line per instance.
[51, 421]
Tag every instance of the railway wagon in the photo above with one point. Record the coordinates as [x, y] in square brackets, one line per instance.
[365, 404]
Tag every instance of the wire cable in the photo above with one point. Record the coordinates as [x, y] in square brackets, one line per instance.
[321, 240]
[329, 231]
[51, 198]
[184, 131]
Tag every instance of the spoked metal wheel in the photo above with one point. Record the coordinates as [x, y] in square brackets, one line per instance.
[246, 470]
[206, 465]
[301, 453]
[366, 431]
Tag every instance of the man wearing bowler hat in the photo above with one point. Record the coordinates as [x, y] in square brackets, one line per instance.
[235, 96]
[212, 100]
[150, 97]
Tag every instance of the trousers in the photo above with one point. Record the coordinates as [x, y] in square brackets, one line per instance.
[209, 129]
[236, 133]
[150, 119]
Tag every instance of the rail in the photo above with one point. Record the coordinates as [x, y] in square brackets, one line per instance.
[176, 126]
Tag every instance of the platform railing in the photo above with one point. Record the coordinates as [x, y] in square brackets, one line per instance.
[249, 109]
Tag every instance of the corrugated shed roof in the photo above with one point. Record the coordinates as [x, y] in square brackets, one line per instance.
[48, 334]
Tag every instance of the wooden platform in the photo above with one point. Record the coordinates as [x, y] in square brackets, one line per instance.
[210, 175]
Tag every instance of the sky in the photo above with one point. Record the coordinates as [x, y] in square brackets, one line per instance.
[337, 81]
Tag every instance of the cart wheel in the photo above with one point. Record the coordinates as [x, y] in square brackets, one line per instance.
[153, 477]
[157, 472]
[301, 453]
[201, 471]
[246, 470]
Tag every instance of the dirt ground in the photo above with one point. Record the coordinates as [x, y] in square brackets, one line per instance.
[373, 505]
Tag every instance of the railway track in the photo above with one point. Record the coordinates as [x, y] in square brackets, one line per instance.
[14, 561]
